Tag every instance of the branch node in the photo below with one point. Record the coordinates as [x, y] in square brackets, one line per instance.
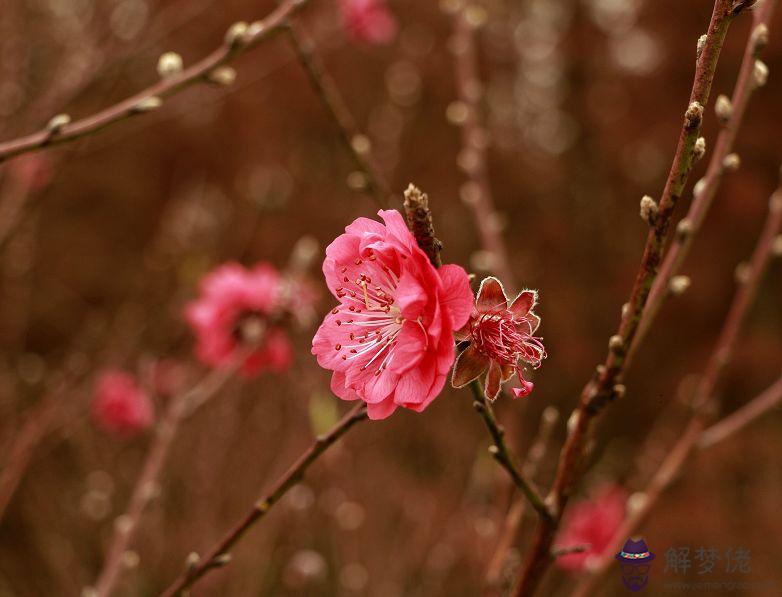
[694, 115]
[55, 125]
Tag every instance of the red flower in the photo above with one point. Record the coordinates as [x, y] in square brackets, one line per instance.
[500, 336]
[120, 405]
[239, 306]
[390, 341]
[369, 20]
[591, 522]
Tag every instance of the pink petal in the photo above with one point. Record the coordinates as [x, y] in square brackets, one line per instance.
[525, 389]
[491, 295]
[457, 298]
[493, 382]
[340, 389]
[410, 348]
[523, 303]
[410, 296]
[381, 410]
[470, 364]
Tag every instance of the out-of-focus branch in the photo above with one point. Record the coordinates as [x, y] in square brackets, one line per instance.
[736, 421]
[239, 38]
[146, 486]
[703, 398]
[327, 90]
[604, 384]
[512, 522]
[219, 555]
[731, 114]
[36, 426]
[476, 192]
[502, 453]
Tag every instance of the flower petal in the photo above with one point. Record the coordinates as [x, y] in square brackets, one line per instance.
[525, 389]
[493, 378]
[410, 347]
[457, 298]
[469, 365]
[381, 410]
[410, 296]
[524, 303]
[491, 295]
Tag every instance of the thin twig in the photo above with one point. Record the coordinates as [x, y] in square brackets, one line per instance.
[219, 555]
[510, 527]
[739, 419]
[603, 385]
[327, 90]
[702, 200]
[145, 489]
[140, 103]
[703, 399]
[502, 453]
[477, 190]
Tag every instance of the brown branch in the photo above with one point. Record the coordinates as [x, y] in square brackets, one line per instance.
[502, 453]
[218, 555]
[510, 528]
[477, 191]
[742, 417]
[327, 90]
[719, 163]
[126, 525]
[238, 41]
[703, 400]
[604, 384]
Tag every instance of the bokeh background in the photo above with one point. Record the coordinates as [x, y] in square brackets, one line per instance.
[583, 102]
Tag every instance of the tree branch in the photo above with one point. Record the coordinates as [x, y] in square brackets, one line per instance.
[237, 41]
[604, 384]
[218, 555]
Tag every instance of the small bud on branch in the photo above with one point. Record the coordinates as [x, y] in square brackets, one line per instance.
[731, 162]
[723, 108]
[169, 65]
[760, 73]
[649, 209]
[55, 125]
[236, 36]
[679, 285]
[699, 149]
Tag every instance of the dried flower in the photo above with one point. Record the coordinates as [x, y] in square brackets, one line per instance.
[121, 406]
[500, 336]
[591, 522]
[389, 341]
[237, 307]
[369, 21]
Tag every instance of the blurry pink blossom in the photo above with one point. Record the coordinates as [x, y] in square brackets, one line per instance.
[500, 336]
[120, 405]
[390, 341]
[369, 20]
[32, 170]
[241, 306]
[168, 377]
[591, 522]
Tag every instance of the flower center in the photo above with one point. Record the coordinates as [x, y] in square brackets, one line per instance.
[374, 320]
[496, 335]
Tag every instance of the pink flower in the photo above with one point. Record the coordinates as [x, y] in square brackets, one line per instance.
[33, 171]
[239, 306]
[369, 20]
[591, 522]
[500, 336]
[390, 341]
[120, 405]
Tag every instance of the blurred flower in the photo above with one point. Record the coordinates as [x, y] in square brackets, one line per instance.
[500, 336]
[167, 377]
[369, 20]
[33, 170]
[239, 306]
[120, 405]
[593, 523]
[389, 341]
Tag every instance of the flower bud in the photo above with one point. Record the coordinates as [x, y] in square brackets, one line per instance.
[701, 44]
[760, 36]
[723, 107]
[223, 75]
[679, 285]
[55, 125]
[147, 104]
[684, 228]
[731, 162]
[694, 114]
[760, 73]
[236, 36]
[742, 272]
[699, 186]
[169, 65]
[648, 209]
[776, 246]
[615, 343]
[699, 149]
